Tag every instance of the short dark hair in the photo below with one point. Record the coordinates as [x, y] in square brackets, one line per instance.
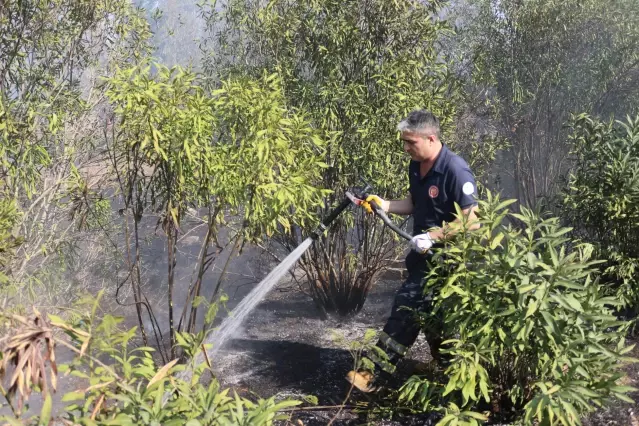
[419, 121]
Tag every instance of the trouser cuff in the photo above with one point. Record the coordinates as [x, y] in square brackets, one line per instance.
[387, 353]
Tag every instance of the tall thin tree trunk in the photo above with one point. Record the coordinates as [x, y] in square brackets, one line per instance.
[135, 277]
[171, 235]
[517, 176]
[222, 274]
[204, 262]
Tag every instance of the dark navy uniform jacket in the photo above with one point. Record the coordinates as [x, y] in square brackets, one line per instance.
[449, 181]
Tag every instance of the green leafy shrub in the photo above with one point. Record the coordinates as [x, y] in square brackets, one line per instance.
[602, 199]
[239, 152]
[118, 385]
[531, 334]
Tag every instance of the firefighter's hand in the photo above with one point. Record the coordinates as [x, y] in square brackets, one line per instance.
[374, 199]
[421, 243]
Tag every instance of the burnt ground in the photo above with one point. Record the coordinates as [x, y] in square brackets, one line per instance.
[285, 349]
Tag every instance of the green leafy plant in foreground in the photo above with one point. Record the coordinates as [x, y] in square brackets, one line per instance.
[119, 385]
[532, 337]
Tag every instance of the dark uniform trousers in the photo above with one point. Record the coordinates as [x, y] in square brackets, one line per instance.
[403, 325]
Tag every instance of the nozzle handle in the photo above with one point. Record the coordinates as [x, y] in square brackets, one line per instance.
[382, 214]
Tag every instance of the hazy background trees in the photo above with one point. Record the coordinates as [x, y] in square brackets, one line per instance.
[527, 65]
[51, 107]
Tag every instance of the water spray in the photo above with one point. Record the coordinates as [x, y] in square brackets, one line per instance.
[230, 325]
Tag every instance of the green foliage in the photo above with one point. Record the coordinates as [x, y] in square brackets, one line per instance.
[531, 63]
[601, 201]
[356, 68]
[50, 54]
[130, 389]
[39, 76]
[241, 152]
[21, 158]
[268, 156]
[531, 332]
[240, 145]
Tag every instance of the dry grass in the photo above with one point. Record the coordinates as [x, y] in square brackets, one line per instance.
[23, 358]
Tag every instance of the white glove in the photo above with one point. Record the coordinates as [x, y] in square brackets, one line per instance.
[421, 243]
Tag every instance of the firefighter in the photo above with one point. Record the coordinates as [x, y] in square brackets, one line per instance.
[438, 178]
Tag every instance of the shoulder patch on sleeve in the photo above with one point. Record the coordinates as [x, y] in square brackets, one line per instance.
[468, 188]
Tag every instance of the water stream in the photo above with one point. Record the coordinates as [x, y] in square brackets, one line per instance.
[229, 326]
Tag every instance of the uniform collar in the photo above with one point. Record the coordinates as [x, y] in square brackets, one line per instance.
[440, 161]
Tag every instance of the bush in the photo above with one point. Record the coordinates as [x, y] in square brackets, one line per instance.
[128, 389]
[602, 199]
[534, 336]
